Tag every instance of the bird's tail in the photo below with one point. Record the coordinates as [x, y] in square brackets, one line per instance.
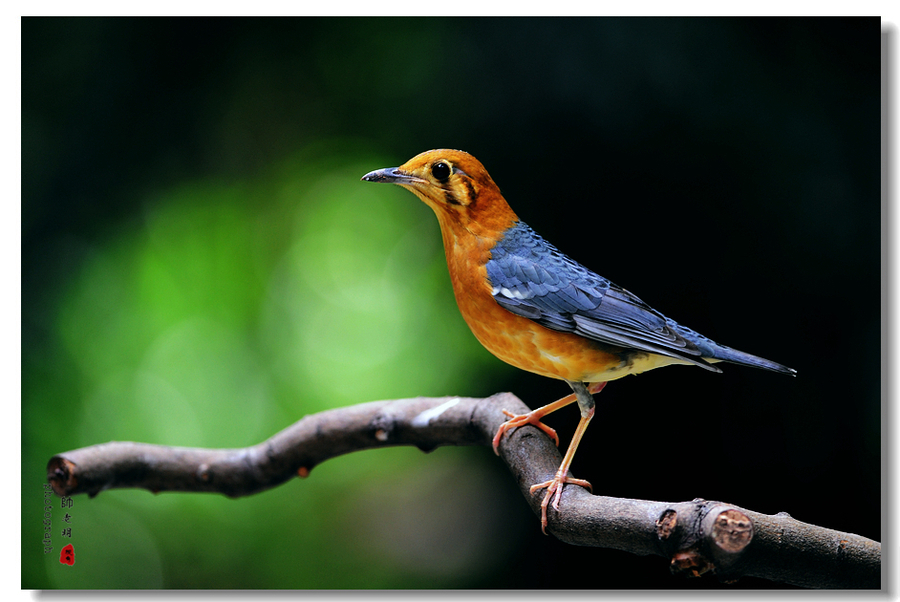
[727, 354]
[712, 351]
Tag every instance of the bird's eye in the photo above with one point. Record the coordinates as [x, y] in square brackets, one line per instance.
[440, 170]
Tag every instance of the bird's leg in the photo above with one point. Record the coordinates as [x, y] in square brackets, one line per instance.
[534, 417]
[555, 485]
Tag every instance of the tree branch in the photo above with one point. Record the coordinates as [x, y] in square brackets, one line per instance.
[698, 536]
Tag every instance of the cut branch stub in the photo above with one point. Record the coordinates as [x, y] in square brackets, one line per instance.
[702, 536]
[728, 531]
[690, 563]
[666, 523]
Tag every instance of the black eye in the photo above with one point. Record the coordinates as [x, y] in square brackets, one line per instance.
[440, 170]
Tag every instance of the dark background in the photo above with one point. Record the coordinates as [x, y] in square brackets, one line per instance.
[725, 170]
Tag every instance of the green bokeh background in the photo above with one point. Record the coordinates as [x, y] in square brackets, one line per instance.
[203, 267]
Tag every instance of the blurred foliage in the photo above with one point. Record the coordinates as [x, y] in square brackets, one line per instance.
[203, 267]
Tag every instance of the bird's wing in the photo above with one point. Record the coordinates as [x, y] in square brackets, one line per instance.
[531, 278]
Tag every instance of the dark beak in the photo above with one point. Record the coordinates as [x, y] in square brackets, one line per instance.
[391, 175]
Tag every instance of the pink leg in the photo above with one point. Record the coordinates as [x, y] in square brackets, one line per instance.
[555, 485]
[534, 417]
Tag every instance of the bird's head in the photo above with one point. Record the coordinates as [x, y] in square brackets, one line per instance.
[456, 186]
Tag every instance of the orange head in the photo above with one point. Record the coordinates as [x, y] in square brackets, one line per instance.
[458, 189]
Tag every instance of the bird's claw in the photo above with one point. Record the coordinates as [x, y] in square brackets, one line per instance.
[554, 490]
[516, 421]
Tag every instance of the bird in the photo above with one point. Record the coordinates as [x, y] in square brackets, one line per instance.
[539, 310]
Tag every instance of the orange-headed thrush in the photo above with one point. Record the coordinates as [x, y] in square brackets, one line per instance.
[539, 310]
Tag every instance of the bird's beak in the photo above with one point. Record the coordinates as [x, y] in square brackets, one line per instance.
[392, 175]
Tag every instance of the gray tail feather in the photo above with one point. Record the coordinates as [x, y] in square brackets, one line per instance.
[727, 354]
[711, 350]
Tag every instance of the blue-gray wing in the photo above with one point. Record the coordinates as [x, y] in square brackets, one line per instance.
[531, 278]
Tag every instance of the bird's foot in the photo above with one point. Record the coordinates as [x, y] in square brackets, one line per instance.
[554, 490]
[533, 418]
